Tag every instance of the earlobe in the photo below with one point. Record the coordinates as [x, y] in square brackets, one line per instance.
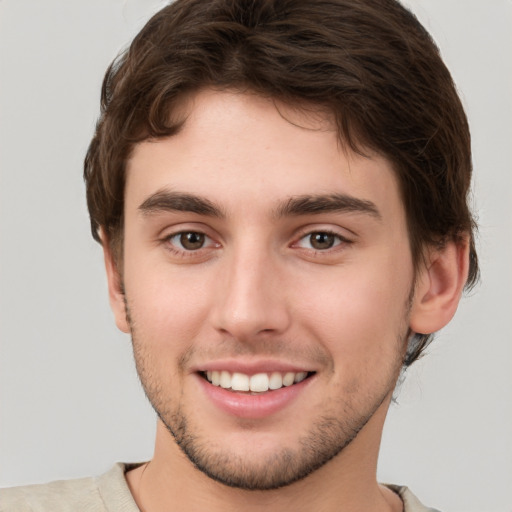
[439, 287]
[115, 285]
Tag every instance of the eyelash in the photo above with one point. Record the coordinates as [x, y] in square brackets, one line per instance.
[191, 253]
[340, 240]
[187, 253]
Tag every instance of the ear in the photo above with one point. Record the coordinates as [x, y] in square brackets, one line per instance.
[115, 285]
[439, 286]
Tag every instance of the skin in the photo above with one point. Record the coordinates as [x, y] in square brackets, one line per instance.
[259, 290]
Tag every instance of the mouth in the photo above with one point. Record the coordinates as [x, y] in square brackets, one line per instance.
[254, 384]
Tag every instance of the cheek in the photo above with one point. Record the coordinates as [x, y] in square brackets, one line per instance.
[362, 313]
[167, 307]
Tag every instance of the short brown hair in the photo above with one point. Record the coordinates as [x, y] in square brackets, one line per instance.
[368, 62]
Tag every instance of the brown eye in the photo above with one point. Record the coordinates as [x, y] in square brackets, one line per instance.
[321, 241]
[191, 241]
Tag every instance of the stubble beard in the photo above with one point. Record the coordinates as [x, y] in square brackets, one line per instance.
[324, 441]
[329, 435]
[326, 438]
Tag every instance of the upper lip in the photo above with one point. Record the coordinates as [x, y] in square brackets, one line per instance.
[251, 367]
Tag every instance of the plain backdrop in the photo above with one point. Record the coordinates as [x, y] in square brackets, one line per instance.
[71, 404]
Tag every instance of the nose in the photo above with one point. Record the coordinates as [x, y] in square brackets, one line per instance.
[252, 296]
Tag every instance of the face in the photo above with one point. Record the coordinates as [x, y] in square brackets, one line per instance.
[267, 276]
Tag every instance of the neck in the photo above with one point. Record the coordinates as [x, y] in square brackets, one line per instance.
[348, 482]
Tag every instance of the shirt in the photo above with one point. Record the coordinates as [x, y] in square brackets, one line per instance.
[110, 493]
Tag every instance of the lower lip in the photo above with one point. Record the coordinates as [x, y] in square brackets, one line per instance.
[253, 406]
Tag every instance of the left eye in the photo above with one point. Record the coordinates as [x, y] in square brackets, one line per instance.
[189, 240]
[320, 241]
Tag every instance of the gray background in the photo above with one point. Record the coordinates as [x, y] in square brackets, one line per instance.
[71, 404]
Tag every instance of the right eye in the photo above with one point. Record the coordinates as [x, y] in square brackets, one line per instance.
[189, 241]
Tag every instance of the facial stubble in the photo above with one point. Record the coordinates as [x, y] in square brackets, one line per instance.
[327, 437]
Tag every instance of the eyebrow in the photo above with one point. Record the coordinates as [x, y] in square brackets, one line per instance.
[169, 201]
[318, 204]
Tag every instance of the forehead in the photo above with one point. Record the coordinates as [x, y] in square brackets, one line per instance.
[236, 147]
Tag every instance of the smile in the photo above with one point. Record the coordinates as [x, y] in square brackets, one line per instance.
[252, 393]
[257, 383]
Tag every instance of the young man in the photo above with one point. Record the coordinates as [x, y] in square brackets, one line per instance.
[280, 190]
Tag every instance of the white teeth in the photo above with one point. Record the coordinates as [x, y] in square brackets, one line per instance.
[239, 382]
[288, 379]
[299, 377]
[275, 381]
[258, 383]
[225, 379]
